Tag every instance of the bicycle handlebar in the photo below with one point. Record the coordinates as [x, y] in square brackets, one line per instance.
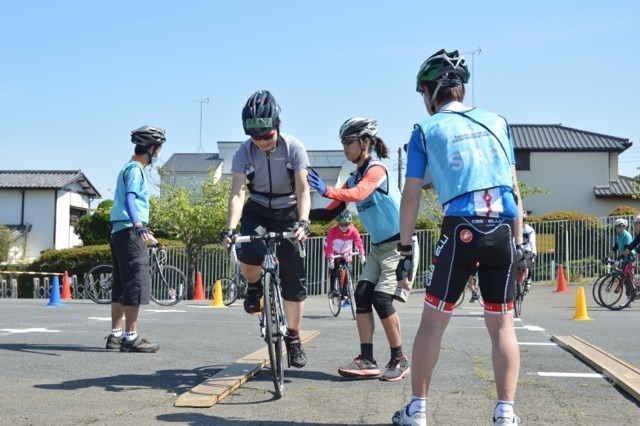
[269, 236]
[344, 255]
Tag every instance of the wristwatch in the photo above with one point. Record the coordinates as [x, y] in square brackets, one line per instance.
[408, 247]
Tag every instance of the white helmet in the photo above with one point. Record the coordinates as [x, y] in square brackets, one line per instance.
[636, 220]
[621, 222]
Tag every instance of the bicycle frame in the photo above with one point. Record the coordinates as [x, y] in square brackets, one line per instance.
[272, 319]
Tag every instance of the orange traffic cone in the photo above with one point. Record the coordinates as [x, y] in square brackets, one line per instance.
[216, 301]
[581, 306]
[562, 281]
[199, 293]
[66, 288]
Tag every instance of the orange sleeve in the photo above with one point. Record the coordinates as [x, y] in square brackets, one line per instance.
[371, 180]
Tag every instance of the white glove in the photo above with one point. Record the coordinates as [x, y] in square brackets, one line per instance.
[330, 263]
[363, 259]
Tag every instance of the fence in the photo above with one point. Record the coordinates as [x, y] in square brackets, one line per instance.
[579, 245]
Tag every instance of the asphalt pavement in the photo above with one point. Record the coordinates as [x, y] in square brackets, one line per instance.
[54, 369]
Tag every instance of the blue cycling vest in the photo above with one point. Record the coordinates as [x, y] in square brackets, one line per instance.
[380, 211]
[131, 178]
[467, 151]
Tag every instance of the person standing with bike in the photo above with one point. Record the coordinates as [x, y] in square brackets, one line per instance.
[525, 266]
[129, 235]
[623, 238]
[339, 241]
[377, 199]
[468, 154]
[273, 167]
[629, 249]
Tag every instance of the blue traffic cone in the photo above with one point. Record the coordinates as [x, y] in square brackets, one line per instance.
[55, 293]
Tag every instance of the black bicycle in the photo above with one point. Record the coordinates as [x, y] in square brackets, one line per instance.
[168, 283]
[520, 287]
[342, 288]
[273, 321]
[235, 287]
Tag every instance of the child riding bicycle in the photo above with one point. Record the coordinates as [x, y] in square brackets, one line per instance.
[339, 241]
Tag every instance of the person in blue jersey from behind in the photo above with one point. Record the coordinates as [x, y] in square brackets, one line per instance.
[129, 236]
[468, 155]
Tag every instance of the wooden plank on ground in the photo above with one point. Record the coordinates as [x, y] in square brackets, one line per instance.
[622, 374]
[218, 387]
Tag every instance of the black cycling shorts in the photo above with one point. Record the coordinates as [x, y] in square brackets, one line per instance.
[291, 265]
[131, 278]
[465, 241]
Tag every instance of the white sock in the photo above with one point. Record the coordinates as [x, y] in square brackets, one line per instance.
[130, 336]
[417, 405]
[503, 409]
[117, 332]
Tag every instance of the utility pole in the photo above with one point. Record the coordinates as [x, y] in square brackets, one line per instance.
[400, 168]
[202, 101]
[473, 73]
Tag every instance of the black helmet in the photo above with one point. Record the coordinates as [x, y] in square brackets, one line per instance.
[148, 135]
[344, 218]
[446, 68]
[356, 127]
[261, 114]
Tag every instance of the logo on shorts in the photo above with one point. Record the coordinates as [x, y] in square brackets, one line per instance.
[466, 236]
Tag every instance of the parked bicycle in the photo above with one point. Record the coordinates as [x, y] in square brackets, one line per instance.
[475, 293]
[272, 319]
[233, 288]
[342, 284]
[619, 291]
[168, 283]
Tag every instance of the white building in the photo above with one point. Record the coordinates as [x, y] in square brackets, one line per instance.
[42, 208]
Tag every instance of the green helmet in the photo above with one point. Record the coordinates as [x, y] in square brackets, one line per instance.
[446, 68]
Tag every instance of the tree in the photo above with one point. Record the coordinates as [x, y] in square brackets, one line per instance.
[95, 228]
[5, 243]
[196, 216]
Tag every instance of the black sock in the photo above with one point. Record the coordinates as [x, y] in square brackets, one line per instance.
[293, 333]
[396, 352]
[366, 350]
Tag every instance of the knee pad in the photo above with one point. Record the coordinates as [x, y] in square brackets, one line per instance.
[383, 303]
[364, 297]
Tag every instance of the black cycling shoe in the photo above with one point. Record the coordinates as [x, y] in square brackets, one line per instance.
[252, 300]
[295, 354]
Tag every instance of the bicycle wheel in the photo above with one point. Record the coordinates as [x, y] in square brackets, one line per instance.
[614, 293]
[335, 300]
[273, 319]
[596, 286]
[97, 284]
[351, 293]
[168, 285]
[517, 301]
[229, 291]
[461, 298]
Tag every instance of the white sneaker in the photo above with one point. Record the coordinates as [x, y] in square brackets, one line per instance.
[402, 418]
[500, 421]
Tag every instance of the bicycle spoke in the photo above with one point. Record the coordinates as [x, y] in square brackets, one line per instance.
[97, 284]
[168, 285]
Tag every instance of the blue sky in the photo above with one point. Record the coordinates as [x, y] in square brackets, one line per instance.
[77, 76]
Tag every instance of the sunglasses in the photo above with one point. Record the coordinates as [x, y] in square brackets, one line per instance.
[348, 141]
[264, 137]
